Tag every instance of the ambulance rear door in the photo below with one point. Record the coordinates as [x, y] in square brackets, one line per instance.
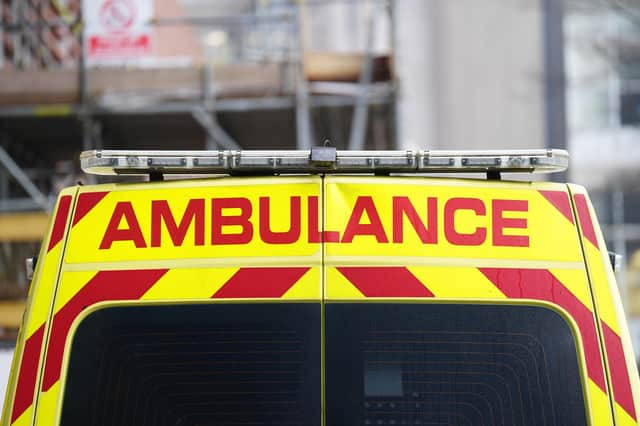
[188, 302]
[458, 302]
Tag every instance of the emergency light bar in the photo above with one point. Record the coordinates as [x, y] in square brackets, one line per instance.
[322, 160]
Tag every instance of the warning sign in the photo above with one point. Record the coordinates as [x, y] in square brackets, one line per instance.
[117, 30]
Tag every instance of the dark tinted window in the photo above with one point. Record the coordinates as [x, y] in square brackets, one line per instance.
[445, 364]
[215, 364]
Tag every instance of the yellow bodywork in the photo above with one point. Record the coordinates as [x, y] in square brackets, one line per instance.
[314, 238]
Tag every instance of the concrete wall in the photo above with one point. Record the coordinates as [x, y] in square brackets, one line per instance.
[470, 73]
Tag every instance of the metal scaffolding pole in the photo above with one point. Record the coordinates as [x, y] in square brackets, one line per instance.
[304, 127]
[361, 108]
[20, 176]
[16, 36]
[215, 133]
[205, 115]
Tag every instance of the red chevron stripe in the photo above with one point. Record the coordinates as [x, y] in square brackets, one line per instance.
[386, 281]
[86, 202]
[27, 375]
[559, 200]
[586, 225]
[540, 284]
[619, 373]
[60, 222]
[105, 285]
[260, 283]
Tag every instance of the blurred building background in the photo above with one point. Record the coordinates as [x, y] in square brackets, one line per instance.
[285, 74]
[602, 55]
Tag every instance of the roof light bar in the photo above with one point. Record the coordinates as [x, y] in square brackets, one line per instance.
[105, 162]
[371, 161]
[321, 160]
[269, 161]
[516, 161]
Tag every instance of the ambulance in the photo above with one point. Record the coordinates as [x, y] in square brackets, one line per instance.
[323, 288]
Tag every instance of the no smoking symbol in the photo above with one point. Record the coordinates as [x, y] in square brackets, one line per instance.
[117, 15]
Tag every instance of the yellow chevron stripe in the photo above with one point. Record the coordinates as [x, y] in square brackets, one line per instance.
[307, 287]
[25, 418]
[338, 287]
[189, 283]
[600, 282]
[622, 418]
[600, 408]
[48, 406]
[44, 290]
[576, 282]
[457, 283]
[72, 284]
[38, 305]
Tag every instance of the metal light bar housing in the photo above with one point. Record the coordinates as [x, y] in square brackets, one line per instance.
[125, 162]
[269, 161]
[372, 161]
[322, 160]
[513, 161]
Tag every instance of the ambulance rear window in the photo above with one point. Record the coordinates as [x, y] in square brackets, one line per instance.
[446, 364]
[213, 364]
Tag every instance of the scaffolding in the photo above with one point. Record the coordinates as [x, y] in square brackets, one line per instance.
[45, 76]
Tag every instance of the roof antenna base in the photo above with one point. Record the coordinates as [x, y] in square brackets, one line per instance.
[493, 175]
[156, 176]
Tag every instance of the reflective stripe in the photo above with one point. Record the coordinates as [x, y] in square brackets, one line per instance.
[105, 285]
[34, 323]
[385, 281]
[559, 200]
[541, 284]
[86, 202]
[260, 282]
[586, 225]
[618, 369]
[515, 283]
[60, 221]
[28, 374]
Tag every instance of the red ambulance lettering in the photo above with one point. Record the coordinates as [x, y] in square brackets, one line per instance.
[453, 205]
[315, 236]
[161, 213]
[355, 227]
[499, 223]
[232, 222]
[132, 232]
[220, 220]
[402, 207]
[285, 237]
